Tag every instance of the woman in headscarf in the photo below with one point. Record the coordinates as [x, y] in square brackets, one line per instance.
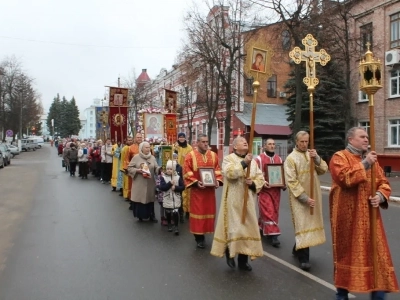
[143, 168]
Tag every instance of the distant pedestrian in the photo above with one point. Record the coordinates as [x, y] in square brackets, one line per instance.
[72, 156]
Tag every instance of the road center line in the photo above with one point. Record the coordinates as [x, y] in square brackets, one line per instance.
[307, 274]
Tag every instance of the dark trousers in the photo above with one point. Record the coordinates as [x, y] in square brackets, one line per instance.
[83, 169]
[107, 171]
[302, 254]
[97, 171]
[242, 258]
[343, 294]
[72, 167]
[172, 215]
[199, 237]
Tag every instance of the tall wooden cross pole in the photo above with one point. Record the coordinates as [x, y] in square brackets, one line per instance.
[310, 56]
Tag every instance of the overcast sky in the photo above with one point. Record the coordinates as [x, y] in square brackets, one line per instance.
[75, 48]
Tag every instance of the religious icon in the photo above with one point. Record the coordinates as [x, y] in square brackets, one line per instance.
[145, 170]
[259, 60]
[118, 99]
[207, 176]
[153, 125]
[274, 175]
[118, 119]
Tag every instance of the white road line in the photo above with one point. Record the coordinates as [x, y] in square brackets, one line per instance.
[307, 274]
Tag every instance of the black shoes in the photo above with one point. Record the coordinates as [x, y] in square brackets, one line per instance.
[245, 267]
[176, 230]
[305, 266]
[113, 189]
[275, 242]
[201, 245]
[229, 260]
[169, 228]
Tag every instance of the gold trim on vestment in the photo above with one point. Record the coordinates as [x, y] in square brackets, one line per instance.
[309, 230]
[189, 185]
[201, 233]
[202, 216]
[194, 160]
[188, 174]
[237, 239]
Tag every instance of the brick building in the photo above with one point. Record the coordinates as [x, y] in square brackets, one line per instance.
[378, 22]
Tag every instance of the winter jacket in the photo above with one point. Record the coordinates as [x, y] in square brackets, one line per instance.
[72, 155]
[171, 199]
[83, 154]
[106, 154]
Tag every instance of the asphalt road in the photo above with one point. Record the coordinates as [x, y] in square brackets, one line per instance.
[67, 238]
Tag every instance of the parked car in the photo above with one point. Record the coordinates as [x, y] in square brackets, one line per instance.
[1, 161]
[6, 154]
[27, 145]
[38, 140]
[14, 150]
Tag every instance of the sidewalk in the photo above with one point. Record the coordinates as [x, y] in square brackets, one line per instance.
[394, 180]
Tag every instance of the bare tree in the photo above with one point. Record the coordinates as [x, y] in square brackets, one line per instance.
[20, 105]
[217, 41]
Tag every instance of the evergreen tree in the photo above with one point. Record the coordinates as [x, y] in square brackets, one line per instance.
[328, 109]
[64, 118]
[54, 113]
[73, 118]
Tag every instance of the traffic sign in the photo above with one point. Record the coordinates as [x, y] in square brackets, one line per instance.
[9, 133]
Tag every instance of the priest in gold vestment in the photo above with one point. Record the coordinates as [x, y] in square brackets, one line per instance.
[350, 203]
[309, 229]
[231, 236]
[124, 169]
[182, 148]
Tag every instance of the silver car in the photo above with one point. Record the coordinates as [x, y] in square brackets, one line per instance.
[14, 150]
[6, 154]
[1, 161]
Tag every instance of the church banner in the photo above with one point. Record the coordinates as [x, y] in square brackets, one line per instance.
[102, 124]
[170, 128]
[118, 115]
[170, 103]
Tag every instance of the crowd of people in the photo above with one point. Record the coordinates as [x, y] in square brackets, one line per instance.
[188, 181]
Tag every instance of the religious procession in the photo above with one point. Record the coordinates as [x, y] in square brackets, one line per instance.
[157, 170]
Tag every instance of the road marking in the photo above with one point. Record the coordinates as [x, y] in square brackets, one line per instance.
[307, 274]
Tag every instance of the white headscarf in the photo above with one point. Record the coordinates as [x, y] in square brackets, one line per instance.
[142, 155]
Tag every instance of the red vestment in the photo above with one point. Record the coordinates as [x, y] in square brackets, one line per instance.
[350, 210]
[202, 201]
[269, 199]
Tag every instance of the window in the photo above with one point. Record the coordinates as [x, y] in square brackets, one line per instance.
[395, 83]
[204, 128]
[365, 125]
[91, 112]
[271, 87]
[249, 86]
[394, 133]
[365, 37]
[395, 30]
[91, 131]
[286, 43]
[362, 96]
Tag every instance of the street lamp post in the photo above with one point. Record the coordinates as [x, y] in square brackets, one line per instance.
[2, 104]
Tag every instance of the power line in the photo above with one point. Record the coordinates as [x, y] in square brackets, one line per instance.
[82, 45]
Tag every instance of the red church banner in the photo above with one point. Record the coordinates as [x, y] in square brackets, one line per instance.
[118, 113]
[170, 128]
[170, 103]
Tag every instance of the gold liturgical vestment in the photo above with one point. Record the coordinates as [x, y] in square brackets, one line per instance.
[309, 229]
[350, 222]
[230, 232]
[182, 152]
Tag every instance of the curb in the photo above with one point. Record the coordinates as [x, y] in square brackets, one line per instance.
[393, 199]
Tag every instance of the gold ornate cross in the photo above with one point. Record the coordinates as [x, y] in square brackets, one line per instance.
[310, 56]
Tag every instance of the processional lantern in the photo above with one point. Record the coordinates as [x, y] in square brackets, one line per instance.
[370, 83]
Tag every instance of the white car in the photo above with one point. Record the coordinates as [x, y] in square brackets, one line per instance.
[13, 150]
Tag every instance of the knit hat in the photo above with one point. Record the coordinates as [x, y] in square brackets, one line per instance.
[175, 155]
[181, 134]
[171, 165]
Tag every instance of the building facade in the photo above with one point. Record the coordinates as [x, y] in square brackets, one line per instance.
[378, 23]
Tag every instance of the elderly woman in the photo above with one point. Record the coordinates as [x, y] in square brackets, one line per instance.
[143, 169]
